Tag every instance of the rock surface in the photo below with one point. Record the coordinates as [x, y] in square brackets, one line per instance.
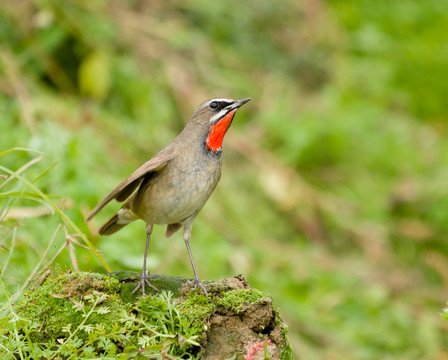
[233, 322]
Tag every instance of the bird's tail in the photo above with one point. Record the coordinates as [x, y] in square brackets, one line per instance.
[117, 221]
[111, 226]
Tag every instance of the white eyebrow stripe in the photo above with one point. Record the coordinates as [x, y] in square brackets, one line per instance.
[220, 100]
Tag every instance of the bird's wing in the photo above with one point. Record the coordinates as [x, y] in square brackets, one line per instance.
[127, 186]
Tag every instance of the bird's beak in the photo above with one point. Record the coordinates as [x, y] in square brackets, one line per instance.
[237, 104]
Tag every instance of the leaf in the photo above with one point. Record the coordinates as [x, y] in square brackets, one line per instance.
[267, 354]
[233, 357]
[66, 329]
[152, 349]
[103, 310]
[94, 75]
[131, 350]
[87, 328]
[144, 340]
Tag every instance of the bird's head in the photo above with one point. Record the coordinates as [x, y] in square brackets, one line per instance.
[215, 116]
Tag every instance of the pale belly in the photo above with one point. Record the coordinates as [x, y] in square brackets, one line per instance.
[176, 194]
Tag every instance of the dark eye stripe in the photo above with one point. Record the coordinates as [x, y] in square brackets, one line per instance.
[219, 105]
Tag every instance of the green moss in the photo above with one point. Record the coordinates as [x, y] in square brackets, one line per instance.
[236, 299]
[61, 303]
[286, 350]
[88, 317]
[197, 309]
[167, 316]
[128, 280]
[286, 353]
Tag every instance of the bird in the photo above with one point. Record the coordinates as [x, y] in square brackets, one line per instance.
[172, 187]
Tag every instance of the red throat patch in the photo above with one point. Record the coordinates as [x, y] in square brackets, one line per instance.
[216, 135]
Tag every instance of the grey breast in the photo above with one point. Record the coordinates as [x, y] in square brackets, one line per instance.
[180, 190]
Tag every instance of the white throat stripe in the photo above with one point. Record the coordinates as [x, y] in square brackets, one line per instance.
[219, 115]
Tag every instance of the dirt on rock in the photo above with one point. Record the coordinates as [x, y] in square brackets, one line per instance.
[244, 330]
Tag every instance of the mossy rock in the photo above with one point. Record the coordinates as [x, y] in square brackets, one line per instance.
[87, 309]
[129, 280]
[59, 303]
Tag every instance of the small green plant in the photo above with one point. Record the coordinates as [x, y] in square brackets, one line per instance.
[445, 313]
[81, 316]
[164, 323]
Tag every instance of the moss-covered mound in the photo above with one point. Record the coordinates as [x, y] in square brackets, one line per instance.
[89, 315]
[70, 301]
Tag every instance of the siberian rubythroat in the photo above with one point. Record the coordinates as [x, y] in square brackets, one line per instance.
[173, 186]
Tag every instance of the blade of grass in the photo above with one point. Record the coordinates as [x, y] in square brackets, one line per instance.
[28, 196]
[48, 169]
[13, 241]
[60, 212]
[22, 169]
[6, 206]
[36, 268]
[21, 149]
[13, 195]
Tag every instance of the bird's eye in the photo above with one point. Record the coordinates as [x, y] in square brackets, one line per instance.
[214, 105]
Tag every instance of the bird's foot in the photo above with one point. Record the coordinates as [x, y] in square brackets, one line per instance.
[143, 282]
[197, 284]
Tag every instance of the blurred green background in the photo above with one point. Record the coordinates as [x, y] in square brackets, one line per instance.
[334, 195]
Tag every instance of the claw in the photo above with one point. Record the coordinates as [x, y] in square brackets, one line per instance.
[195, 284]
[143, 282]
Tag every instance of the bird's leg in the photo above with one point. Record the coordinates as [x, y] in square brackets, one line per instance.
[144, 279]
[187, 235]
